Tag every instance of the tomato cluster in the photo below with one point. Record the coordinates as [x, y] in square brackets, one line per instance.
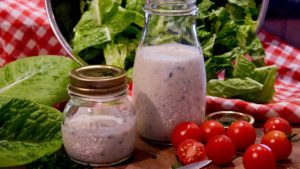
[274, 146]
[211, 140]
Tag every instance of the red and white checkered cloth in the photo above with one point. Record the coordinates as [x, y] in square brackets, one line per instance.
[25, 31]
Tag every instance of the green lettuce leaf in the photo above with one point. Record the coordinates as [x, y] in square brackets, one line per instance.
[266, 76]
[135, 5]
[243, 3]
[217, 63]
[243, 67]
[42, 79]
[28, 131]
[203, 8]
[237, 13]
[242, 35]
[208, 46]
[226, 37]
[205, 5]
[100, 24]
[98, 13]
[257, 53]
[115, 54]
[232, 87]
[129, 73]
[121, 53]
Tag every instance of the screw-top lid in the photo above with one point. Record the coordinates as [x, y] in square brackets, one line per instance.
[97, 80]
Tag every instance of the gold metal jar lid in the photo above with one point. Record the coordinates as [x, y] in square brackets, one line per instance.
[228, 117]
[97, 80]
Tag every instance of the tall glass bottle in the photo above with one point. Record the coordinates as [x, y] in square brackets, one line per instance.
[169, 80]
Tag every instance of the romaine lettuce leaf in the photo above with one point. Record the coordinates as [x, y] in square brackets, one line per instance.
[115, 54]
[243, 68]
[120, 53]
[266, 76]
[237, 13]
[99, 12]
[28, 131]
[99, 26]
[240, 86]
[232, 87]
[43, 79]
[257, 52]
[209, 45]
[135, 5]
[243, 3]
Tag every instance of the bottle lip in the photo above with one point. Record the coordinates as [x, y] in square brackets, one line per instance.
[171, 7]
[97, 80]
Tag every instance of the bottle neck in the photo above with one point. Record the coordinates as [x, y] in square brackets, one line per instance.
[170, 21]
[161, 29]
[171, 7]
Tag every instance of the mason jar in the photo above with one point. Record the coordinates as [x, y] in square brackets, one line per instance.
[169, 80]
[99, 127]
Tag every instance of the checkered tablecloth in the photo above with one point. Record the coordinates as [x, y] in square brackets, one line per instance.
[25, 31]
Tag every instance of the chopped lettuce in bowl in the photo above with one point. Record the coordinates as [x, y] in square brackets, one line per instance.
[108, 32]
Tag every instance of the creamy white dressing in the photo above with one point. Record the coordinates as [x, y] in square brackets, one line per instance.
[99, 139]
[168, 88]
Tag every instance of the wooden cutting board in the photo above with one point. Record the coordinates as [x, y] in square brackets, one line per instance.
[147, 156]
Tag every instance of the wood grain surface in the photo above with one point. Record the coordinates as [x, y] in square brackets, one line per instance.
[148, 156]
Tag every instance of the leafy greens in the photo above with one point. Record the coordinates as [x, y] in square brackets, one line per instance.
[107, 25]
[28, 131]
[42, 79]
[109, 31]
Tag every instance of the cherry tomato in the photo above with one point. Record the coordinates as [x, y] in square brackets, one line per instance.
[130, 87]
[279, 144]
[191, 151]
[278, 123]
[259, 156]
[211, 128]
[242, 134]
[220, 149]
[184, 131]
[60, 106]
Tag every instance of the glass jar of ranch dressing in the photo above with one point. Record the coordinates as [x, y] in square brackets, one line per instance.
[99, 127]
[169, 81]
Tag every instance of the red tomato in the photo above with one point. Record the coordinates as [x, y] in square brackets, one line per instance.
[184, 131]
[220, 149]
[242, 134]
[279, 144]
[259, 156]
[130, 85]
[60, 106]
[130, 88]
[191, 151]
[211, 128]
[278, 123]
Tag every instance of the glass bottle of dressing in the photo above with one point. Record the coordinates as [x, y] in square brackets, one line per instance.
[99, 127]
[169, 81]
